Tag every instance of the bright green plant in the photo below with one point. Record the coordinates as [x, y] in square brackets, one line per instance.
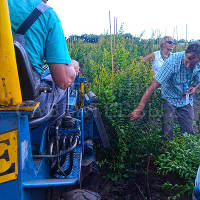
[118, 93]
[182, 157]
[118, 96]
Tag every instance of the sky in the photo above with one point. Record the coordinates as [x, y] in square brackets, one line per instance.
[177, 18]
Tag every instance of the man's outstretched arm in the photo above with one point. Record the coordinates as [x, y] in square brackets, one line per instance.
[136, 114]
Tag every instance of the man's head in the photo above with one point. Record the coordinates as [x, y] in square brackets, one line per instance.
[45, 1]
[192, 55]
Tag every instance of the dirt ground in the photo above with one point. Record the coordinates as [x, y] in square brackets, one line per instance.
[138, 187]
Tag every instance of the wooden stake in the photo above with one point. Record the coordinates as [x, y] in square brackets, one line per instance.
[111, 49]
[177, 33]
[116, 26]
[186, 35]
[116, 32]
[114, 37]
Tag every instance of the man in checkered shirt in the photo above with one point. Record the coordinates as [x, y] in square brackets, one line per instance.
[179, 78]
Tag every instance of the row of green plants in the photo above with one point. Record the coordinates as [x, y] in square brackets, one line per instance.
[119, 92]
[180, 157]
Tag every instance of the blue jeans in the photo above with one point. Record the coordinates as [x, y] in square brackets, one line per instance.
[57, 98]
[185, 116]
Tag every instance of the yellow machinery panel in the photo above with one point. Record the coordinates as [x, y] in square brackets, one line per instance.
[9, 80]
[8, 156]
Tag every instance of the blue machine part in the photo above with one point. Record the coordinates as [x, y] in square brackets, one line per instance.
[197, 186]
[76, 165]
[33, 173]
[79, 79]
[87, 100]
[82, 130]
[72, 100]
[26, 170]
[197, 192]
[73, 93]
[40, 164]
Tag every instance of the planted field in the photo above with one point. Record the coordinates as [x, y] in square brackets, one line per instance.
[139, 164]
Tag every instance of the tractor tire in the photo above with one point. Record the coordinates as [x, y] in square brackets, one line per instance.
[79, 194]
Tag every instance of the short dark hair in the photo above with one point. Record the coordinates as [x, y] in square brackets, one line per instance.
[194, 48]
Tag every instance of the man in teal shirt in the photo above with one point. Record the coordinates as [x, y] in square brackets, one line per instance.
[45, 39]
[179, 77]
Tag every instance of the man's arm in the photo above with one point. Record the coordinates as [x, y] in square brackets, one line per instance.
[62, 74]
[161, 78]
[147, 95]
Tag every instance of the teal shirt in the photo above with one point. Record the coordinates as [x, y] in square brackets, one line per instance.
[175, 79]
[45, 38]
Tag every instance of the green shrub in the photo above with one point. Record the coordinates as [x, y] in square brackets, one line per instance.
[181, 157]
[118, 95]
[119, 92]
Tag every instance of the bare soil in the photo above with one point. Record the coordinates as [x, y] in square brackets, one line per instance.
[137, 187]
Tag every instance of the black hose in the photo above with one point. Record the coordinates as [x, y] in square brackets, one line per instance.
[36, 122]
[62, 153]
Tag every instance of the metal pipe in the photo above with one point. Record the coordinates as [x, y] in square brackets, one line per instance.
[60, 154]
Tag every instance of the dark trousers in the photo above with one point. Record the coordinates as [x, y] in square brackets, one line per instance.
[185, 117]
[57, 98]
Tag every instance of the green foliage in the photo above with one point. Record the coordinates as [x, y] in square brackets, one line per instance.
[182, 157]
[131, 47]
[118, 95]
[119, 89]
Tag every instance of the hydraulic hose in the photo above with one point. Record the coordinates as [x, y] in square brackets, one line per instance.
[74, 144]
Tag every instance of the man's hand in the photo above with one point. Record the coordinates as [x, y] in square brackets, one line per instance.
[136, 114]
[62, 74]
[192, 90]
[76, 66]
